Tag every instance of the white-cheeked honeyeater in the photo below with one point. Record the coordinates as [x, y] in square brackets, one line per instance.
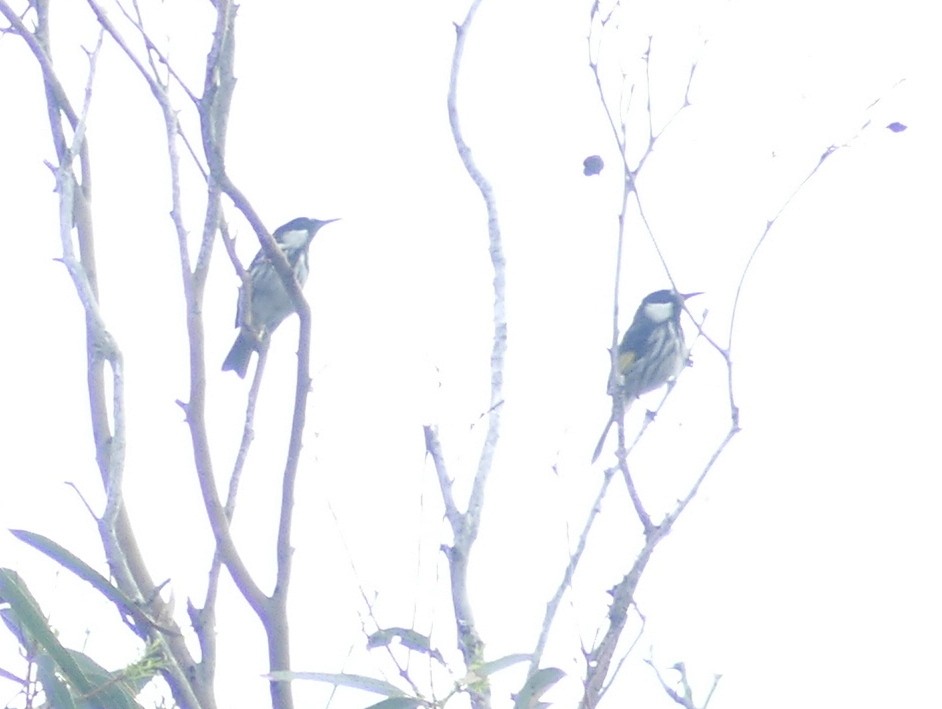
[265, 303]
[651, 352]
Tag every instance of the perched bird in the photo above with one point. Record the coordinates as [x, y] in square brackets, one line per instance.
[265, 303]
[651, 352]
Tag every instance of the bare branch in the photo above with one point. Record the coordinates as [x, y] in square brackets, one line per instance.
[465, 526]
[643, 515]
[118, 539]
[156, 88]
[619, 132]
[152, 50]
[214, 106]
[434, 448]
[36, 46]
[686, 699]
[553, 605]
[626, 654]
[599, 660]
[499, 347]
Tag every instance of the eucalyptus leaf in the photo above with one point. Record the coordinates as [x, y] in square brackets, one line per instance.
[536, 685]
[367, 684]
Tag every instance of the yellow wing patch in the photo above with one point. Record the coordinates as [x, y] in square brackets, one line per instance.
[625, 360]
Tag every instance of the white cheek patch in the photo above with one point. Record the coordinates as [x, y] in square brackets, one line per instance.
[294, 238]
[659, 312]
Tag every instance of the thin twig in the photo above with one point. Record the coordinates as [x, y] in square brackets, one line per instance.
[686, 699]
[575, 557]
[371, 612]
[598, 661]
[630, 174]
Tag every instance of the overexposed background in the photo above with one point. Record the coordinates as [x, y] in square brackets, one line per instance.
[804, 572]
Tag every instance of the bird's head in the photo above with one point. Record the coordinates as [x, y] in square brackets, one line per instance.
[298, 232]
[663, 305]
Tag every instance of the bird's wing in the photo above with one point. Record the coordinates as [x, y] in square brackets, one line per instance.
[626, 359]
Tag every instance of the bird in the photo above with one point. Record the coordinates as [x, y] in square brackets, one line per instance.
[651, 352]
[265, 303]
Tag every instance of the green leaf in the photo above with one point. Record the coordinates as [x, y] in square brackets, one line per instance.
[488, 668]
[408, 638]
[367, 684]
[13, 622]
[115, 690]
[31, 618]
[534, 688]
[56, 691]
[59, 667]
[70, 561]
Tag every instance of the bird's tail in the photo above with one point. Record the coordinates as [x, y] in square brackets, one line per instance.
[598, 448]
[239, 356]
[601, 443]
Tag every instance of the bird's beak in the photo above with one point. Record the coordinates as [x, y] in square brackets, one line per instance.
[328, 221]
[684, 296]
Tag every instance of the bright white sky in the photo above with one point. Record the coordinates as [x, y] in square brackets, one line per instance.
[805, 572]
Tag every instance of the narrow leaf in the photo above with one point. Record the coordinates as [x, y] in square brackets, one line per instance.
[32, 619]
[112, 689]
[70, 561]
[489, 668]
[367, 684]
[408, 638]
[57, 692]
[534, 688]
